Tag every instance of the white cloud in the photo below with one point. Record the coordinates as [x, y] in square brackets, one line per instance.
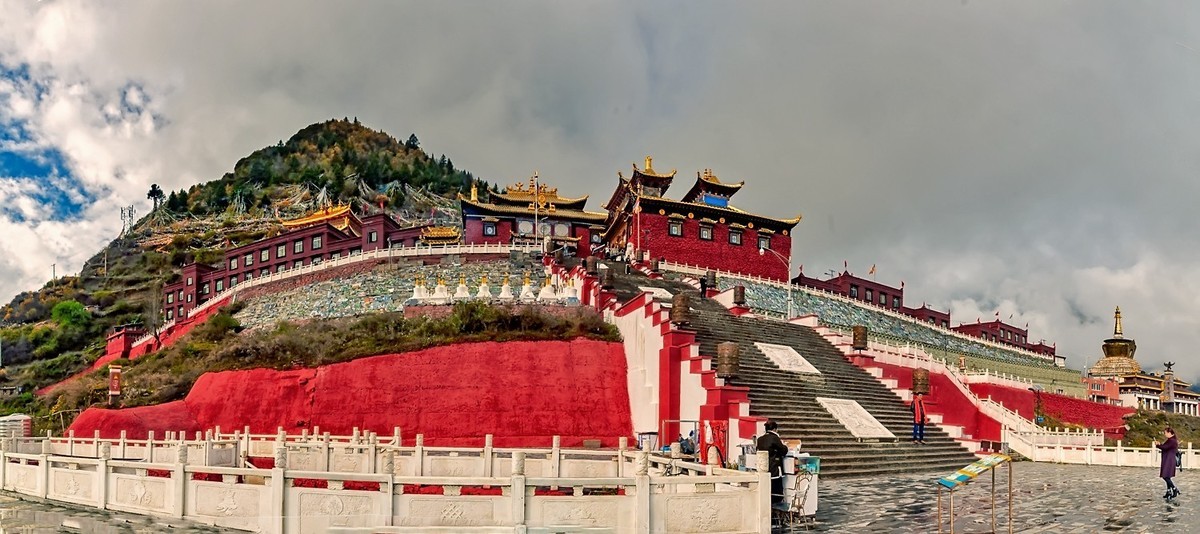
[1031, 158]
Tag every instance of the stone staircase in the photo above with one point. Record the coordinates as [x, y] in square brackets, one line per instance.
[790, 399]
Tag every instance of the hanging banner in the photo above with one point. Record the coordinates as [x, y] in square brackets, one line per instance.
[968, 473]
[114, 380]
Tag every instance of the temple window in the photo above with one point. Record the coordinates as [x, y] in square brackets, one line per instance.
[895, 302]
[315, 260]
[233, 280]
[562, 230]
[764, 241]
[171, 298]
[489, 228]
[265, 255]
[853, 291]
[735, 237]
[316, 245]
[675, 228]
[372, 237]
[595, 237]
[189, 297]
[180, 297]
[232, 263]
[249, 276]
[335, 255]
[298, 264]
[298, 246]
[279, 268]
[706, 233]
[280, 251]
[264, 272]
[882, 298]
[870, 295]
[249, 260]
[204, 288]
[189, 281]
[946, 324]
[220, 286]
[170, 314]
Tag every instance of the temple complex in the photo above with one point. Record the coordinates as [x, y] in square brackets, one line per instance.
[1138, 388]
[701, 228]
[529, 214]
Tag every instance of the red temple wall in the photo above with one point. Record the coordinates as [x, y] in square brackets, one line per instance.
[521, 392]
[718, 253]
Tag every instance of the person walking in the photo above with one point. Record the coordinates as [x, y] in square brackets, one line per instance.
[1169, 447]
[919, 418]
[776, 450]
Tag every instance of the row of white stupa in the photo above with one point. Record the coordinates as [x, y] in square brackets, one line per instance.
[555, 290]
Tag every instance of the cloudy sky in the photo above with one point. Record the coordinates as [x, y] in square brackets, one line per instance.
[1036, 159]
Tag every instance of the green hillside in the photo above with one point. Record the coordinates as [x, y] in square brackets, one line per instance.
[332, 162]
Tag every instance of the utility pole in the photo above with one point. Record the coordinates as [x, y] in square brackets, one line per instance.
[53, 273]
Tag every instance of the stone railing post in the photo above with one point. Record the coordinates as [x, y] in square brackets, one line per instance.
[372, 451]
[555, 457]
[517, 492]
[389, 462]
[43, 472]
[179, 477]
[622, 448]
[419, 455]
[641, 520]
[105, 454]
[763, 466]
[1119, 448]
[278, 489]
[487, 456]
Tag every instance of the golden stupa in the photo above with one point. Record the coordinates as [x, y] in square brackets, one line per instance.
[1118, 355]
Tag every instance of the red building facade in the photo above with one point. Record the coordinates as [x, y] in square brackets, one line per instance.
[875, 294]
[329, 233]
[528, 215]
[1000, 332]
[701, 228]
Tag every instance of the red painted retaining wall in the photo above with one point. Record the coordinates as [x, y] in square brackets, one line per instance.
[521, 392]
[946, 399]
[1070, 410]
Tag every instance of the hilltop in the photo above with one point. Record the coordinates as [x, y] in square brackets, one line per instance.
[331, 162]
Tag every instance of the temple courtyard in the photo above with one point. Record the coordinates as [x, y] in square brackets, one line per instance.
[1047, 498]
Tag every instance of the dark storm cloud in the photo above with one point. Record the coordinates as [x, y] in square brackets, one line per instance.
[1030, 158]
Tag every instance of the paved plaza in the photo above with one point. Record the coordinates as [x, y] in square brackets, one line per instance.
[1047, 498]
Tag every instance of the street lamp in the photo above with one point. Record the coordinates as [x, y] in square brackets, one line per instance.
[787, 268]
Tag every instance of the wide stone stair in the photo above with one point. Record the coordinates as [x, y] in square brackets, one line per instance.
[790, 398]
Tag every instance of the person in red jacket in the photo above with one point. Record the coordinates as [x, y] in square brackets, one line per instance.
[919, 418]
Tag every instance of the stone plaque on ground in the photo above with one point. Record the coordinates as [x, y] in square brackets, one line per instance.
[786, 358]
[656, 292]
[857, 420]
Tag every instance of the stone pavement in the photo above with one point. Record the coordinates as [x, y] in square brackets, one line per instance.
[28, 517]
[1047, 498]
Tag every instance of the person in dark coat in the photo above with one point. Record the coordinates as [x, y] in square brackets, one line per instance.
[1169, 447]
[776, 450]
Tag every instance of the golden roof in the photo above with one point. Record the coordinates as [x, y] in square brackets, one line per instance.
[542, 192]
[1118, 354]
[328, 214]
[440, 231]
[711, 178]
[649, 170]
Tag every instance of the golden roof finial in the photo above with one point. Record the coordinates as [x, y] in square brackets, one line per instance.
[1117, 333]
[649, 168]
[474, 192]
